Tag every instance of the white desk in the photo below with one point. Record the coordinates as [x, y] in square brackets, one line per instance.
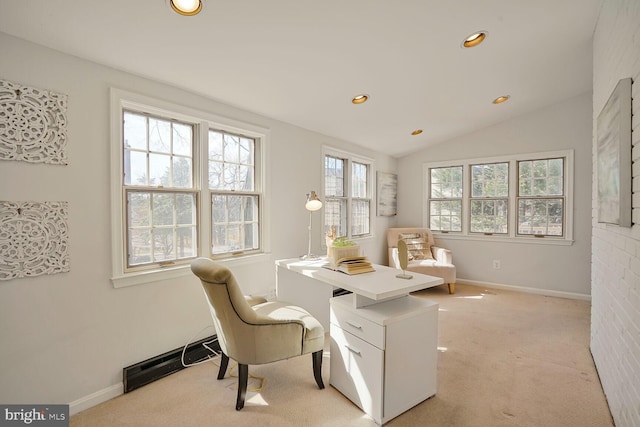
[383, 341]
[310, 285]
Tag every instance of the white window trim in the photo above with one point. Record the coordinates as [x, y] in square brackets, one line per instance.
[510, 237]
[352, 157]
[122, 99]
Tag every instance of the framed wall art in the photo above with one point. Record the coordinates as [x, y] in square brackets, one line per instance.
[387, 193]
[33, 124]
[614, 157]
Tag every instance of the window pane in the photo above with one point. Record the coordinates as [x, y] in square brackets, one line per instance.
[215, 175]
[446, 182]
[186, 209]
[359, 217]
[230, 176]
[334, 176]
[152, 226]
[231, 162]
[541, 177]
[139, 247]
[159, 135]
[446, 215]
[215, 145]
[135, 131]
[135, 168]
[159, 170]
[335, 214]
[246, 151]
[490, 180]
[138, 211]
[231, 148]
[235, 225]
[187, 242]
[163, 209]
[489, 216]
[182, 173]
[153, 152]
[163, 244]
[541, 216]
[182, 138]
[359, 180]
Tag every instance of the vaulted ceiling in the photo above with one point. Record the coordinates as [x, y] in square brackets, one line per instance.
[302, 62]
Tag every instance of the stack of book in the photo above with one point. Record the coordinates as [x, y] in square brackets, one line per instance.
[353, 265]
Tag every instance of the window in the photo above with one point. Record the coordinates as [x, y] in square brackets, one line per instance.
[235, 203]
[158, 184]
[541, 197]
[185, 184]
[347, 194]
[445, 200]
[489, 198]
[517, 197]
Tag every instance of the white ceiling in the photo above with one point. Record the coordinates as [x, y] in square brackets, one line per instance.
[301, 62]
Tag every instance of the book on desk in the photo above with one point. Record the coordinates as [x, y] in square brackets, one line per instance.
[352, 265]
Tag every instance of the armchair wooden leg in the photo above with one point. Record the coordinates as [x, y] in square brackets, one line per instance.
[317, 368]
[243, 376]
[224, 362]
[452, 288]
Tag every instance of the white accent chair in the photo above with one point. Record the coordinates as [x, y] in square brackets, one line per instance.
[254, 331]
[424, 256]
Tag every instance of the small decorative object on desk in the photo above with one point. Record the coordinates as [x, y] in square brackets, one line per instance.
[403, 257]
[342, 248]
[330, 237]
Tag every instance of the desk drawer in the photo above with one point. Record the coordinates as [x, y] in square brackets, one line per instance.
[357, 371]
[358, 326]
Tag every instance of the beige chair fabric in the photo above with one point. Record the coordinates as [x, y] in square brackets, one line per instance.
[440, 266]
[253, 331]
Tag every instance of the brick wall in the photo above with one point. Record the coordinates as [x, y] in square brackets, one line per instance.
[615, 269]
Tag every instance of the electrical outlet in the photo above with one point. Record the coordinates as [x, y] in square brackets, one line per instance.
[496, 264]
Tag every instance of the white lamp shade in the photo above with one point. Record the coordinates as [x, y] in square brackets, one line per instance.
[313, 202]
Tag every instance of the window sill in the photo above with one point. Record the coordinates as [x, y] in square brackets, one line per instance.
[506, 239]
[167, 273]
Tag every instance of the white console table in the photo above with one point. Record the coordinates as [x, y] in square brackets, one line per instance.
[383, 340]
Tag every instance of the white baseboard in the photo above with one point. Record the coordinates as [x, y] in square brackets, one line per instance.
[96, 398]
[546, 292]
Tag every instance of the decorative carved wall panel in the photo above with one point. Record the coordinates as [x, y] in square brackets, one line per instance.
[33, 239]
[33, 124]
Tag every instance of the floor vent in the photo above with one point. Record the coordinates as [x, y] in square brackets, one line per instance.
[150, 370]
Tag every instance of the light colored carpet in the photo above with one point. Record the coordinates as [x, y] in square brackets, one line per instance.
[505, 359]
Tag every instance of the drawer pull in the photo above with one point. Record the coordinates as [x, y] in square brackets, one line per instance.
[353, 350]
[353, 325]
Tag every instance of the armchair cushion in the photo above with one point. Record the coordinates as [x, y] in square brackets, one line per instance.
[417, 246]
[438, 264]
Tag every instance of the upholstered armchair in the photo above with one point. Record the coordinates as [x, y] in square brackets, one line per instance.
[424, 257]
[254, 331]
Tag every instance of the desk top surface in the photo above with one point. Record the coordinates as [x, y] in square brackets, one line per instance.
[378, 285]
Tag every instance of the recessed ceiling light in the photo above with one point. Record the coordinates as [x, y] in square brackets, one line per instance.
[474, 39]
[359, 99]
[416, 132]
[501, 99]
[186, 7]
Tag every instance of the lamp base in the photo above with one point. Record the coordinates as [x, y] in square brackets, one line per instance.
[404, 276]
[309, 257]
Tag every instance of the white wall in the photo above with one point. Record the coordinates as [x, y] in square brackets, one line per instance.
[560, 269]
[615, 312]
[67, 336]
